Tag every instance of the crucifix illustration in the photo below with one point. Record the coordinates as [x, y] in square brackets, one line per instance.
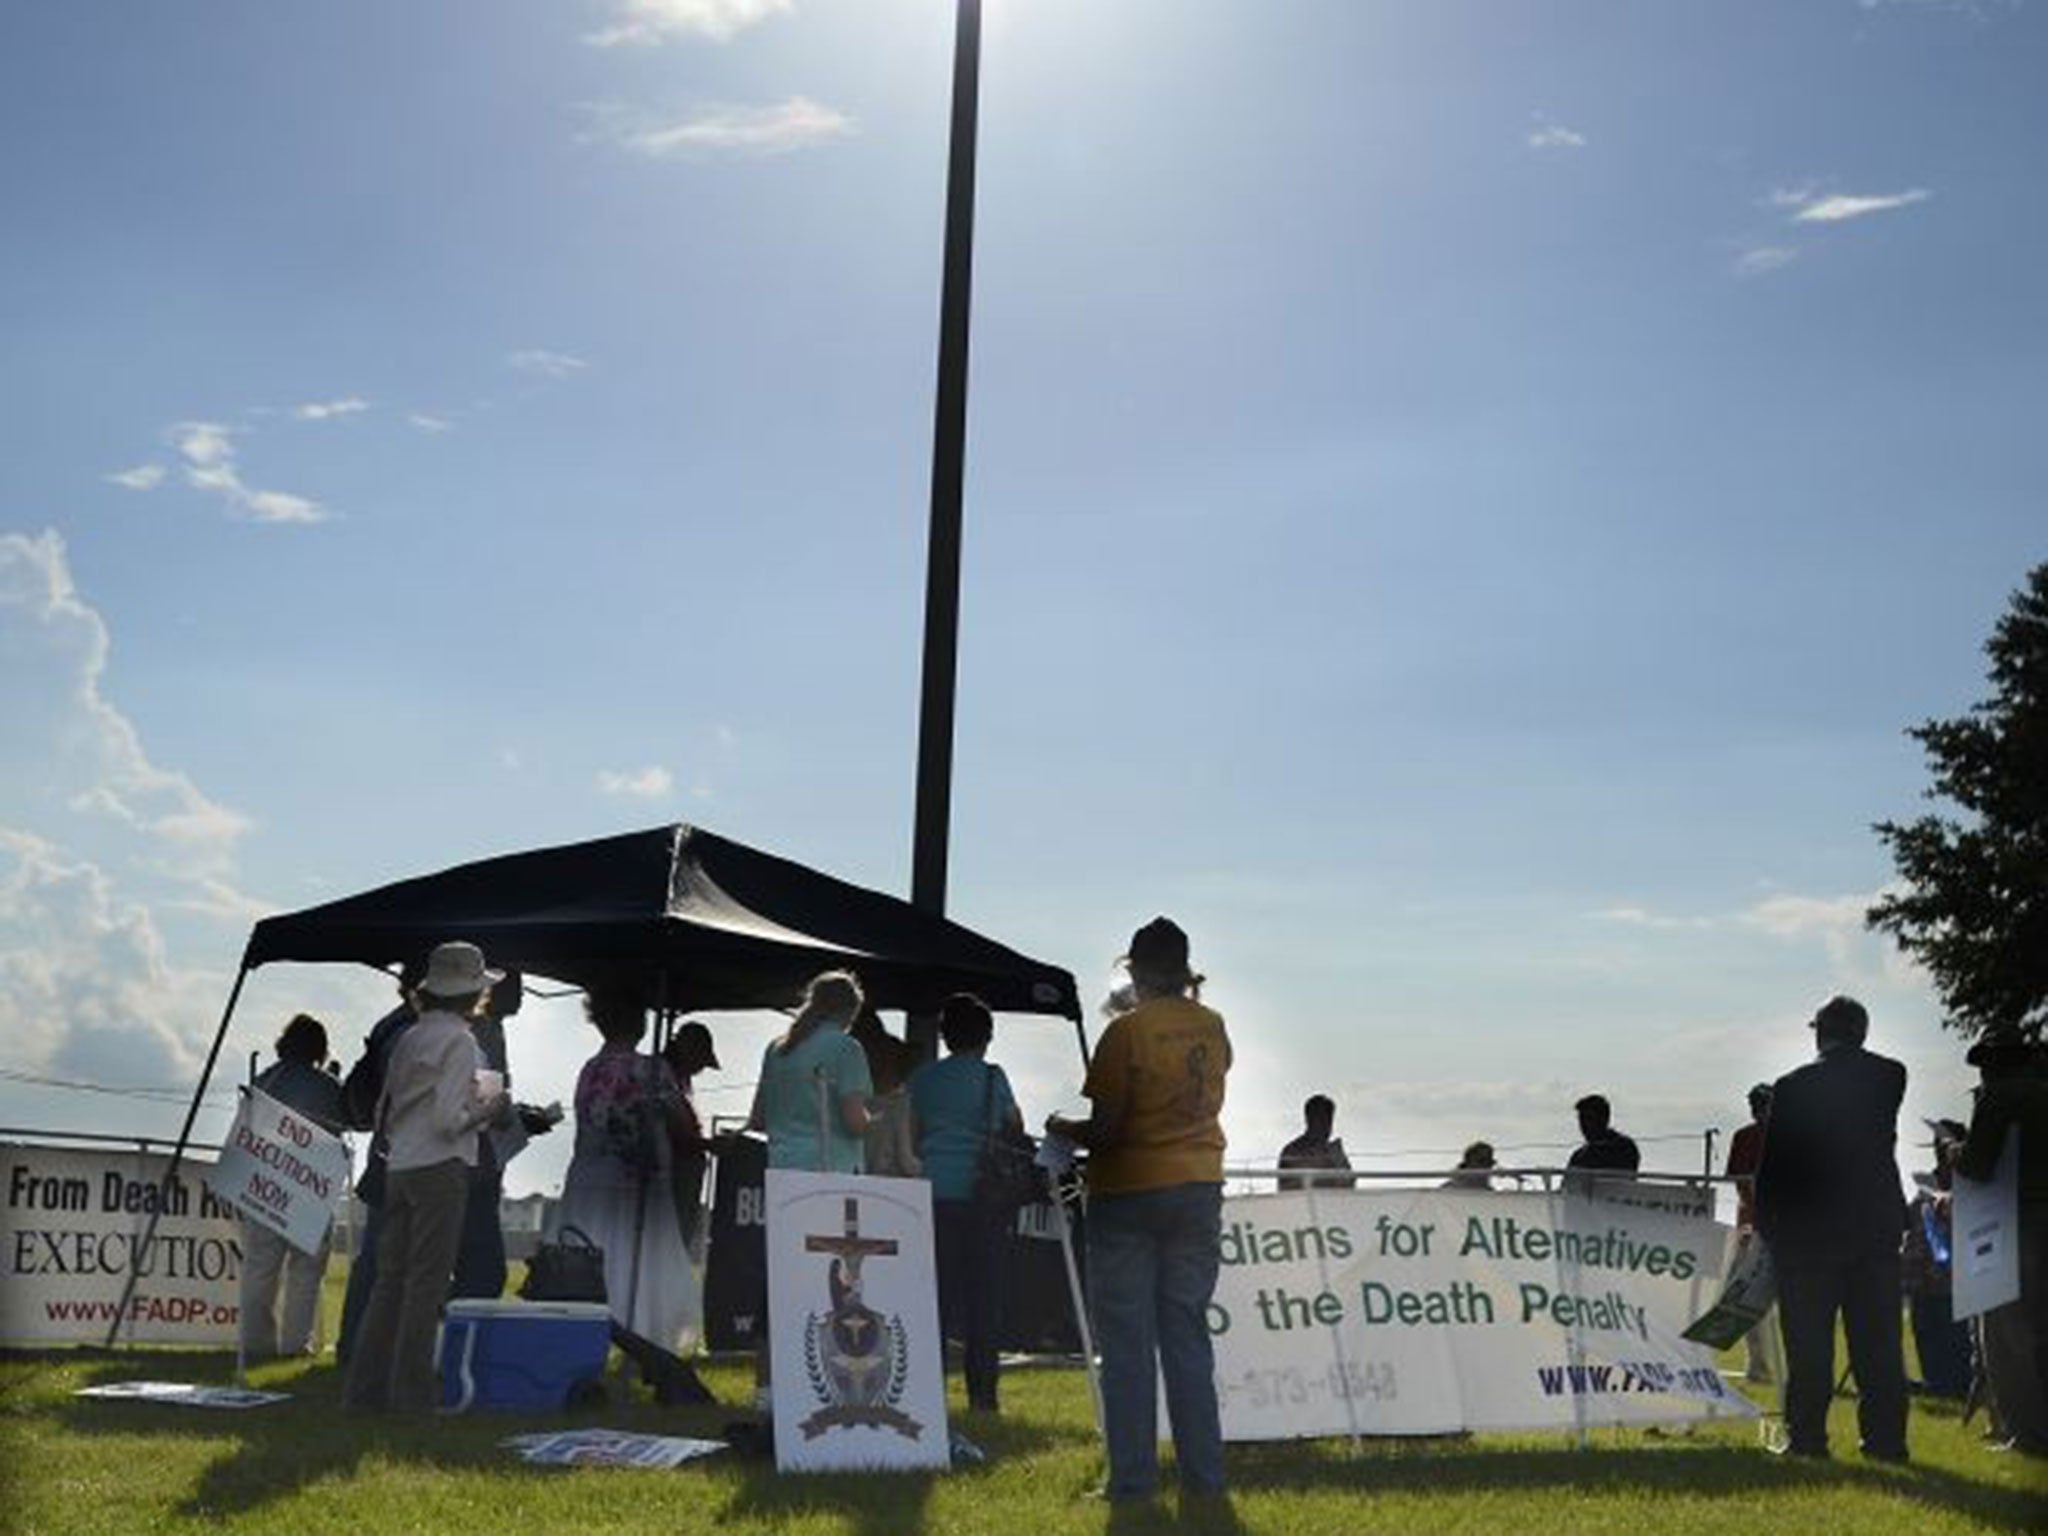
[849, 1248]
[856, 1357]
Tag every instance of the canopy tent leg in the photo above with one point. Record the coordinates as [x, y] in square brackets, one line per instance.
[163, 1192]
[665, 1012]
[1059, 1211]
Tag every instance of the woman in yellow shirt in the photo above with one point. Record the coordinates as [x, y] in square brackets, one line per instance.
[1155, 1211]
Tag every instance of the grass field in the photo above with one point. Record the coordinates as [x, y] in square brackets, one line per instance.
[73, 1465]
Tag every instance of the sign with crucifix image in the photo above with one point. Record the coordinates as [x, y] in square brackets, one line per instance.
[859, 1379]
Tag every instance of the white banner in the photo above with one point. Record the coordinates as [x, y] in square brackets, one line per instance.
[859, 1380]
[1985, 1242]
[1412, 1312]
[71, 1227]
[281, 1170]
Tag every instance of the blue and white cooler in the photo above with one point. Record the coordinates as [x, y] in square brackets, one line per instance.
[521, 1356]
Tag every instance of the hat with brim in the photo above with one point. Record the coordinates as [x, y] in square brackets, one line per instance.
[457, 969]
[1161, 946]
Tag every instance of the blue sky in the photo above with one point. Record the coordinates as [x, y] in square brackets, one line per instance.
[1462, 502]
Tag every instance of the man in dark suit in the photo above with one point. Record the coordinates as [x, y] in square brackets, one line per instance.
[1828, 1203]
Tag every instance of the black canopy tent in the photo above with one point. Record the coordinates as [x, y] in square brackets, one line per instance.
[696, 920]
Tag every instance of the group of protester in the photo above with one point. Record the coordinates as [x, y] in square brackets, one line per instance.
[837, 1093]
[1816, 1176]
[1826, 1199]
[1317, 1157]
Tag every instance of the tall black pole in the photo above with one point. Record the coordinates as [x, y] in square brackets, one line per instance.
[949, 463]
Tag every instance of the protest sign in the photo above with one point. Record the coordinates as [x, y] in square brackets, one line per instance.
[1038, 1317]
[1986, 1221]
[1747, 1296]
[281, 1170]
[859, 1380]
[609, 1448]
[72, 1228]
[1391, 1312]
[182, 1394]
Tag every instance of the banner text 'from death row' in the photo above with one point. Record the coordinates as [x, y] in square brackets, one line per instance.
[74, 1226]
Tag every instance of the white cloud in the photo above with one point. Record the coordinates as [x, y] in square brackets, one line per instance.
[427, 423]
[1859, 961]
[645, 23]
[283, 507]
[650, 783]
[1759, 259]
[1856, 958]
[67, 742]
[1548, 134]
[798, 123]
[1837, 207]
[85, 988]
[1786, 916]
[1642, 917]
[143, 477]
[550, 365]
[100, 842]
[203, 444]
[510, 760]
[218, 899]
[208, 449]
[325, 410]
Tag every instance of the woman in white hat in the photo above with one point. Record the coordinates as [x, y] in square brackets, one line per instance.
[434, 1099]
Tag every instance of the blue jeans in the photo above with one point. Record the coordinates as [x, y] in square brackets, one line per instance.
[1152, 1262]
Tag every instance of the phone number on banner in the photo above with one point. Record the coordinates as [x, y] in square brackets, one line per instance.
[1358, 1381]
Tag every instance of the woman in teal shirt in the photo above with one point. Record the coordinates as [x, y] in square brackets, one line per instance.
[812, 1099]
[954, 1104]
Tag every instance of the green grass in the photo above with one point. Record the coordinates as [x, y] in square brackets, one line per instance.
[300, 1469]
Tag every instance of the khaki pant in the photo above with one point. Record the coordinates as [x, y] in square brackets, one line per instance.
[392, 1363]
[270, 1265]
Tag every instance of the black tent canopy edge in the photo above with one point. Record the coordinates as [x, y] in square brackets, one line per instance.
[695, 919]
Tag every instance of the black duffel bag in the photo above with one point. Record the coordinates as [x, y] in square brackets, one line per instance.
[569, 1269]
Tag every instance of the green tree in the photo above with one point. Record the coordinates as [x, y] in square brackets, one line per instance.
[1974, 908]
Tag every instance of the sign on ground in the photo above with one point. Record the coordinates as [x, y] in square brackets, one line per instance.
[858, 1375]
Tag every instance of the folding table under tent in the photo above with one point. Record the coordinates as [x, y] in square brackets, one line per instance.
[696, 920]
